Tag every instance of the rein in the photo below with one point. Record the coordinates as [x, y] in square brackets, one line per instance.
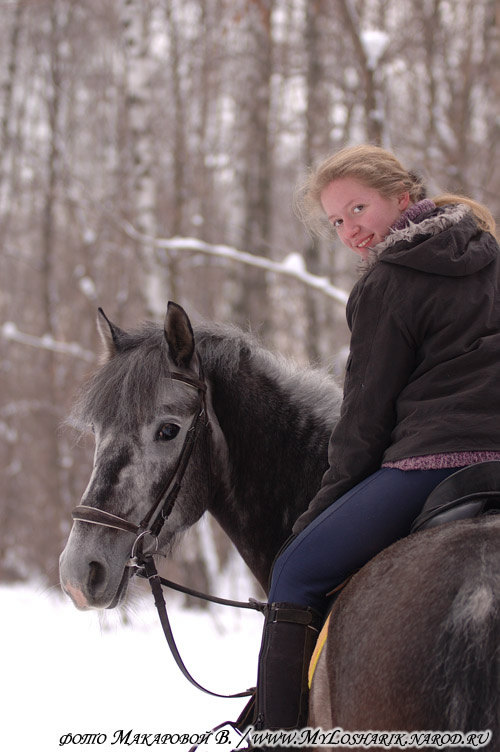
[148, 571]
[152, 524]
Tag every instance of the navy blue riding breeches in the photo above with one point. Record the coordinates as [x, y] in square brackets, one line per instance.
[356, 527]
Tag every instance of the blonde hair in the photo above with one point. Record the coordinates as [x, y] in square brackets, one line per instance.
[378, 169]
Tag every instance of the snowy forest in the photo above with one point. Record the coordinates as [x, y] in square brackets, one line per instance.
[150, 151]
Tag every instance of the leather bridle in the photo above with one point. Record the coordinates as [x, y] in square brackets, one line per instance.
[161, 509]
[153, 522]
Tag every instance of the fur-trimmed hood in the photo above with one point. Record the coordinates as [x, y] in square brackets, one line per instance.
[447, 241]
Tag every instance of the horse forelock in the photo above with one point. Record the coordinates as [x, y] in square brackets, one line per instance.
[123, 390]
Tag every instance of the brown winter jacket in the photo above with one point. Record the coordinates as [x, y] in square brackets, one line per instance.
[423, 374]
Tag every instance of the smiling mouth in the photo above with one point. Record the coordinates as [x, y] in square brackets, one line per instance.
[364, 243]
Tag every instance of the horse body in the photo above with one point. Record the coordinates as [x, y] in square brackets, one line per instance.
[424, 618]
[406, 629]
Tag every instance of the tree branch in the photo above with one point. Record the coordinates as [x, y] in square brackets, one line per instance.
[9, 331]
[292, 266]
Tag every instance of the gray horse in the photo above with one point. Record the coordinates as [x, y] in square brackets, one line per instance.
[414, 638]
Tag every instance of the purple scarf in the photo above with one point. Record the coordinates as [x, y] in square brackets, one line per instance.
[413, 213]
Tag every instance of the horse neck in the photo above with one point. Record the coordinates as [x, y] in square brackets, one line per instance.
[277, 453]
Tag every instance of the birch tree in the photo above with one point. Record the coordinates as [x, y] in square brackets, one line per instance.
[255, 163]
[136, 26]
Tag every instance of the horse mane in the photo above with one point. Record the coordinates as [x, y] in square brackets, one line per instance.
[276, 418]
[224, 347]
[123, 387]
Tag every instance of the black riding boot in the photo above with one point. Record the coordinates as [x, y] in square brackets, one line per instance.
[288, 641]
[281, 699]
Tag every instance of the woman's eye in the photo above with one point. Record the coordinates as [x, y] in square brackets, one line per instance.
[167, 432]
[337, 222]
[358, 208]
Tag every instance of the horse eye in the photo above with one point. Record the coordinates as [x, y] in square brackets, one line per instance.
[167, 432]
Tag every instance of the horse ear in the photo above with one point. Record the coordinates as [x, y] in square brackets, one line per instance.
[179, 335]
[111, 334]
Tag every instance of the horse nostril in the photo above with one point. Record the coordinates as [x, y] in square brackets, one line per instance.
[97, 576]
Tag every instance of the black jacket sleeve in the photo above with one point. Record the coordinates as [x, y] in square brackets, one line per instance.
[381, 361]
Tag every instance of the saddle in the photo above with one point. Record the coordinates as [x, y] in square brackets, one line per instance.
[469, 492]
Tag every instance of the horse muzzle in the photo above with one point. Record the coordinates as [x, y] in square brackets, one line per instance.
[91, 581]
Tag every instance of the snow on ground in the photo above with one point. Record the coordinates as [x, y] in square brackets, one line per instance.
[69, 672]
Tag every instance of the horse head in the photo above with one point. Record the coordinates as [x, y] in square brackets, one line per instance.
[145, 405]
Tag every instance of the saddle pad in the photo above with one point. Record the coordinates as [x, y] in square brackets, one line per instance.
[317, 650]
[320, 642]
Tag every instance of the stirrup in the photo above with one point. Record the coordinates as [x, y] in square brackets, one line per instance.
[245, 719]
[247, 716]
[217, 729]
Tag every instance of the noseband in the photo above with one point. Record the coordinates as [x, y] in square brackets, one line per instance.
[162, 507]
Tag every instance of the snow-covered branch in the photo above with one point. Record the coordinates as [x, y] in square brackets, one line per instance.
[292, 265]
[10, 332]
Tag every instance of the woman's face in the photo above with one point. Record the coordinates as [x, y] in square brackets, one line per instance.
[360, 214]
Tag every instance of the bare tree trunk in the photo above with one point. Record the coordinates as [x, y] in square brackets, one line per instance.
[429, 21]
[176, 113]
[135, 19]
[492, 65]
[315, 127]
[251, 303]
[179, 123]
[371, 99]
[50, 456]
[5, 124]
[202, 184]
